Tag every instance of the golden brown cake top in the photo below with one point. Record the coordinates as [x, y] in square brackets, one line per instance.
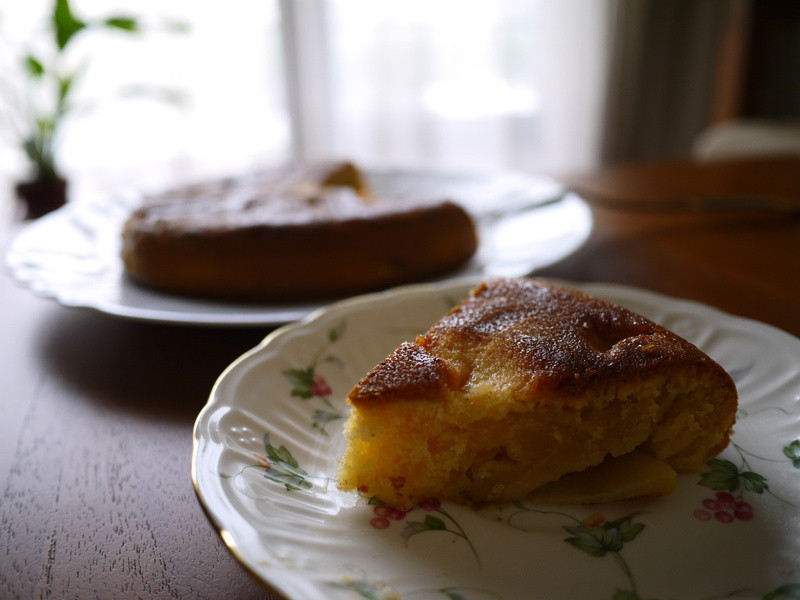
[527, 335]
[409, 371]
[296, 194]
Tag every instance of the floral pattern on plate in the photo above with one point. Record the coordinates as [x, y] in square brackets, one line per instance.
[264, 466]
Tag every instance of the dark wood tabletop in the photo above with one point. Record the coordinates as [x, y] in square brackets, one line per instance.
[96, 499]
[653, 229]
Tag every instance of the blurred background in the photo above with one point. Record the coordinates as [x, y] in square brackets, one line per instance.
[534, 85]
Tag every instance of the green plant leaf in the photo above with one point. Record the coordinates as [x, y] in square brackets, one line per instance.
[45, 125]
[161, 94]
[123, 23]
[34, 66]
[32, 149]
[176, 26]
[64, 87]
[65, 24]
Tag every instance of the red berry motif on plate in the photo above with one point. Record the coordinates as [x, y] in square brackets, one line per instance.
[319, 387]
[726, 478]
[385, 514]
[725, 508]
[430, 505]
[731, 482]
[308, 384]
[380, 523]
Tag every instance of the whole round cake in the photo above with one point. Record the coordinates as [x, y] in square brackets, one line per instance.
[293, 233]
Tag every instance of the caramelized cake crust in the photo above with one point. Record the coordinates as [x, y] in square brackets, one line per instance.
[525, 382]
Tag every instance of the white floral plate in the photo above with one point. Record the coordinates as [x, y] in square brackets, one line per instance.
[524, 223]
[264, 463]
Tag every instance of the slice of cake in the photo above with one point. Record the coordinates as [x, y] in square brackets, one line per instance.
[524, 383]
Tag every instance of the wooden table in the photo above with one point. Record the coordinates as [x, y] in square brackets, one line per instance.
[746, 262]
[96, 499]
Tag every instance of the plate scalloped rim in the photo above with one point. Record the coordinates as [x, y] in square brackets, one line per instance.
[72, 254]
[284, 544]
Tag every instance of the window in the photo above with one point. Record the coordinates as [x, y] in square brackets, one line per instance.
[449, 84]
[439, 82]
[226, 69]
[419, 83]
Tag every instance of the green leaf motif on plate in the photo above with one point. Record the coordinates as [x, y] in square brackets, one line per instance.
[430, 523]
[792, 452]
[301, 380]
[723, 474]
[384, 514]
[609, 536]
[282, 467]
[322, 417]
[727, 478]
[308, 384]
[598, 537]
[335, 334]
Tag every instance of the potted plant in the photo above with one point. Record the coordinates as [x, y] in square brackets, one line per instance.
[50, 85]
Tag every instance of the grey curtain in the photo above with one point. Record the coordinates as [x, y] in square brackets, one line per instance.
[661, 80]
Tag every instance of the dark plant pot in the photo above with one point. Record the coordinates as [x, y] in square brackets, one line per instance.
[42, 196]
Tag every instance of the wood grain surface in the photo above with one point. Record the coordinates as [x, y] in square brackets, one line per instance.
[96, 499]
[746, 262]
